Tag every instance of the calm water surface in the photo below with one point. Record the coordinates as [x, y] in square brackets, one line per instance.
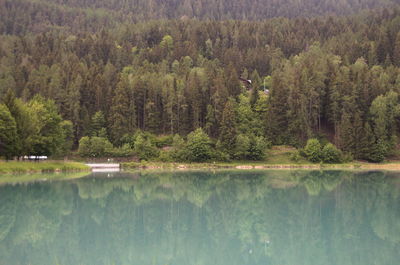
[184, 218]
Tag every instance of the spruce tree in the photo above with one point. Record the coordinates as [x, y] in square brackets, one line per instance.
[98, 124]
[8, 133]
[227, 135]
[120, 111]
[396, 52]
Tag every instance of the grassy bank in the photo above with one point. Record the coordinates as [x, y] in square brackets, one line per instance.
[15, 167]
[279, 157]
[394, 166]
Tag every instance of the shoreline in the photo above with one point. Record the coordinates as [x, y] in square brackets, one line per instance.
[21, 167]
[390, 166]
[56, 166]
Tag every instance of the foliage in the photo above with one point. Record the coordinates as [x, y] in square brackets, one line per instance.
[227, 134]
[312, 151]
[144, 149]
[98, 124]
[163, 141]
[295, 156]
[198, 146]
[330, 154]
[8, 132]
[94, 147]
[242, 147]
[124, 151]
[49, 135]
[324, 75]
[258, 146]
[250, 147]
[37, 127]
[67, 135]
[178, 150]
[385, 109]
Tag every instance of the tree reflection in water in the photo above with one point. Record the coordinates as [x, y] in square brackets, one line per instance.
[227, 217]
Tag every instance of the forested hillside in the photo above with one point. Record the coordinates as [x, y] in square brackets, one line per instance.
[331, 77]
[25, 16]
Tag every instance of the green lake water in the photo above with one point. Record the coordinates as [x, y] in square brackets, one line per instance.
[185, 218]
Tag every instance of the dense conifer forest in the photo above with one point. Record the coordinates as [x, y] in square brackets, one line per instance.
[135, 77]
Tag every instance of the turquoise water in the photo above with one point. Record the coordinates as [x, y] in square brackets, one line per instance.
[182, 218]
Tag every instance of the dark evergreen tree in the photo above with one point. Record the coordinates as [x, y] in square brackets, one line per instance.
[227, 135]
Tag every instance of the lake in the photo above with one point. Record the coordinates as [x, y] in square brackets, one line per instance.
[204, 217]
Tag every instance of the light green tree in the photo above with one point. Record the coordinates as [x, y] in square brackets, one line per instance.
[198, 146]
[49, 137]
[312, 150]
[8, 133]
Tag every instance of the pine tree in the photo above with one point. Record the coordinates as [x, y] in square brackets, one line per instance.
[98, 124]
[255, 87]
[210, 126]
[24, 123]
[120, 111]
[227, 135]
[346, 133]
[372, 150]
[232, 81]
[8, 133]
[396, 52]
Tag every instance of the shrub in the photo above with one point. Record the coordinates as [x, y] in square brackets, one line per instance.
[198, 146]
[124, 151]
[330, 154]
[178, 150]
[347, 157]
[295, 156]
[165, 156]
[144, 149]
[312, 150]
[377, 152]
[163, 141]
[100, 147]
[250, 147]
[257, 148]
[242, 147]
[84, 146]
[218, 155]
[94, 147]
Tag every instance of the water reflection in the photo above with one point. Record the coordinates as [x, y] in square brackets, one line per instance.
[273, 217]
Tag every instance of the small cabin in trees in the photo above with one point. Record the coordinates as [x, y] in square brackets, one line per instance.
[246, 83]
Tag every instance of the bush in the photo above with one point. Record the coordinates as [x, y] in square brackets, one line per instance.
[198, 146]
[94, 147]
[178, 150]
[347, 157]
[377, 152]
[250, 147]
[257, 148]
[312, 151]
[124, 151]
[295, 156]
[165, 156]
[100, 147]
[84, 146]
[330, 154]
[144, 149]
[218, 155]
[242, 147]
[163, 141]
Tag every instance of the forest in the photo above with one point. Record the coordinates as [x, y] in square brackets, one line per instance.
[168, 79]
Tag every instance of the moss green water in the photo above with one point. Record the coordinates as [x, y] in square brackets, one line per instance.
[204, 217]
